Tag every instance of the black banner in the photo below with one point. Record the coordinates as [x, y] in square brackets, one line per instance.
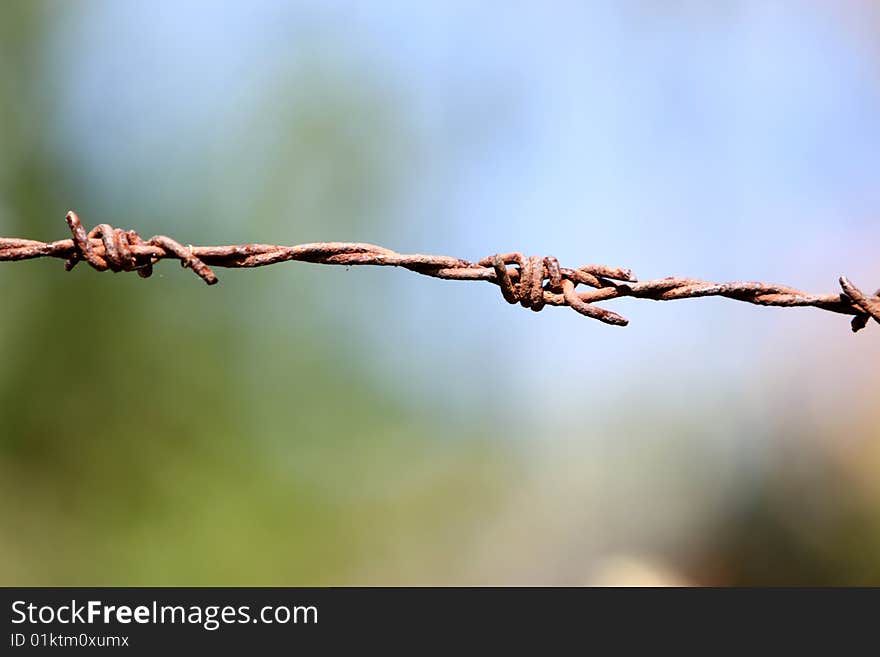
[181, 619]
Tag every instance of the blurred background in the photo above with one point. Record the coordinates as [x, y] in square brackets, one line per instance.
[310, 425]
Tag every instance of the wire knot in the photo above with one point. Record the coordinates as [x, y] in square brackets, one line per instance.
[531, 291]
[868, 307]
[105, 247]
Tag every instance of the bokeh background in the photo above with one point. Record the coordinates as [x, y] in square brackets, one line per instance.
[308, 425]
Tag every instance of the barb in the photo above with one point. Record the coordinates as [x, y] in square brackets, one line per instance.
[532, 281]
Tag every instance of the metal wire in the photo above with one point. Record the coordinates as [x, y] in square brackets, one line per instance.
[531, 281]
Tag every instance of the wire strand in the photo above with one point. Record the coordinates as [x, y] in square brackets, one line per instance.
[532, 281]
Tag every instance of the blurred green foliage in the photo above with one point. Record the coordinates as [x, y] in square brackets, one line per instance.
[156, 434]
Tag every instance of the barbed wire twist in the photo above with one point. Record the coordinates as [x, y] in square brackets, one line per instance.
[532, 281]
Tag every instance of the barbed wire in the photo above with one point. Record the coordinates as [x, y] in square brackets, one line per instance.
[532, 281]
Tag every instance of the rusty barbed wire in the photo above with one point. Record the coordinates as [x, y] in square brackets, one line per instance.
[532, 281]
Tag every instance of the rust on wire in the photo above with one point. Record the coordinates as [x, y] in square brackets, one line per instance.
[531, 281]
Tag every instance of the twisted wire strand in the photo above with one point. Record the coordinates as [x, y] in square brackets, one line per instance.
[531, 281]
